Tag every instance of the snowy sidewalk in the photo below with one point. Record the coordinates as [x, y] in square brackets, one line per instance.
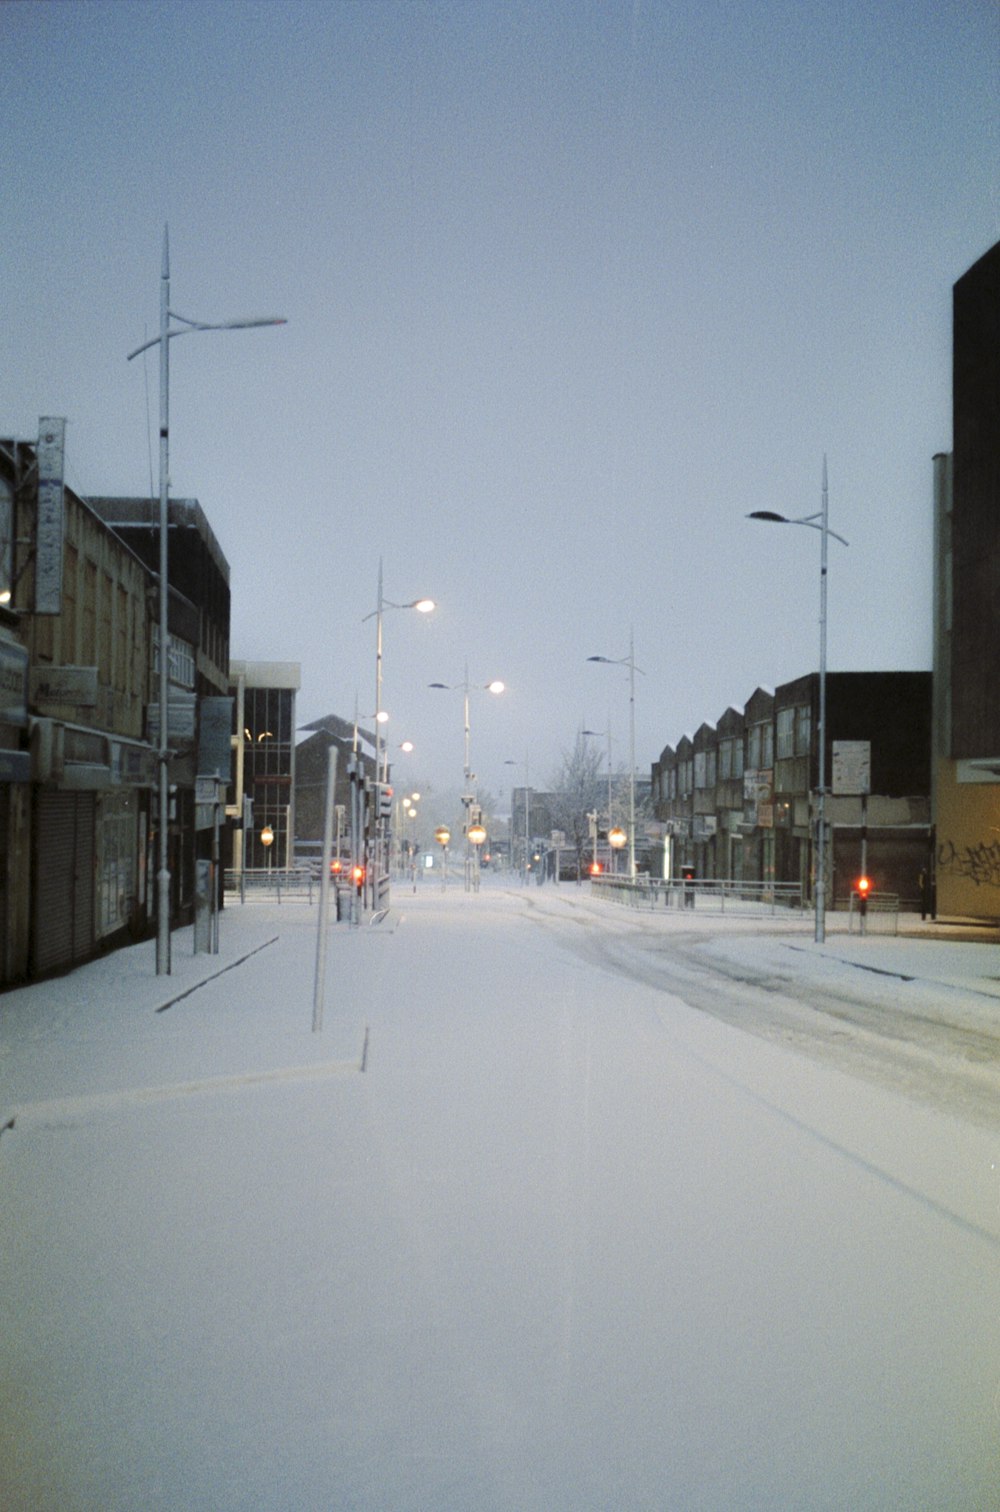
[113, 1028]
[567, 1245]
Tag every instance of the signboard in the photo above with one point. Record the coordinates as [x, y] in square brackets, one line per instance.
[133, 765]
[758, 797]
[15, 766]
[13, 683]
[215, 737]
[852, 767]
[181, 709]
[52, 687]
[206, 802]
[49, 525]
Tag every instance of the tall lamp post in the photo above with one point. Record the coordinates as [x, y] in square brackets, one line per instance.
[628, 661]
[468, 797]
[167, 331]
[820, 522]
[496, 686]
[527, 819]
[599, 735]
[422, 606]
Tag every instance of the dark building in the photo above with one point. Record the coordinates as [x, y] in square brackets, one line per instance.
[263, 695]
[76, 768]
[312, 763]
[890, 714]
[739, 800]
[967, 610]
[198, 656]
[975, 533]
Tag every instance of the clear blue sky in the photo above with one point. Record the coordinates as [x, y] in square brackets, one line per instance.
[571, 288]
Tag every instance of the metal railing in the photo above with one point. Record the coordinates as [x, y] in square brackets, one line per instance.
[876, 914]
[705, 895]
[278, 883]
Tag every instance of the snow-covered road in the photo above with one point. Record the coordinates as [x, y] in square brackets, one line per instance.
[565, 1243]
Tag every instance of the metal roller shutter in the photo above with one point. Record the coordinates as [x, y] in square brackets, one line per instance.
[63, 911]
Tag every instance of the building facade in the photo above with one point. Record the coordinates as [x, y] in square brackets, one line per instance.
[263, 695]
[966, 612]
[738, 801]
[77, 768]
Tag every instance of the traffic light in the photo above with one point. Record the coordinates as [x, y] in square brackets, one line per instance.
[335, 868]
[596, 868]
[384, 800]
[357, 877]
[863, 887]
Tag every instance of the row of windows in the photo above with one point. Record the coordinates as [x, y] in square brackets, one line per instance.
[790, 735]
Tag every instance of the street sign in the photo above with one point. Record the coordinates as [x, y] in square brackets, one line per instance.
[852, 767]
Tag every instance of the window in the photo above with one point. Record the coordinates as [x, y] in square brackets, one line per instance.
[760, 746]
[6, 541]
[730, 758]
[786, 733]
[803, 730]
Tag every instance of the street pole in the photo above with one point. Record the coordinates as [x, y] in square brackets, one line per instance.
[631, 758]
[166, 332]
[163, 755]
[319, 986]
[820, 522]
[820, 926]
[628, 661]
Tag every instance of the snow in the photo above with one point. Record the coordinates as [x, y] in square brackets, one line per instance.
[518, 1229]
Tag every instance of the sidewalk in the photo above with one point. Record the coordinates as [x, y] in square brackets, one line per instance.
[113, 1029]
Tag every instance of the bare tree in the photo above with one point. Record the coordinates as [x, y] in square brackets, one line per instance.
[577, 790]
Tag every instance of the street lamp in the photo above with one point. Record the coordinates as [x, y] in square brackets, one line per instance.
[510, 762]
[820, 522]
[496, 686]
[422, 606]
[167, 331]
[628, 661]
[599, 735]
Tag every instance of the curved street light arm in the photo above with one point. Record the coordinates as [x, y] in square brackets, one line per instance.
[201, 325]
[814, 521]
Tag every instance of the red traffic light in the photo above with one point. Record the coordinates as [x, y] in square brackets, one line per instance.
[335, 868]
[863, 886]
[357, 875]
[596, 868]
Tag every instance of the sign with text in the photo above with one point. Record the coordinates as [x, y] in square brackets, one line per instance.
[215, 737]
[13, 683]
[49, 524]
[181, 710]
[852, 767]
[54, 686]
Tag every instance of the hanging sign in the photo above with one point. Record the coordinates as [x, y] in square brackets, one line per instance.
[49, 524]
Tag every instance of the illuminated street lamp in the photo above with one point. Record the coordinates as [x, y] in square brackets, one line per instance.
[422, 606]
[267, 840]
[167, 331]
[628, 661]
[820, 522]
[496, 686]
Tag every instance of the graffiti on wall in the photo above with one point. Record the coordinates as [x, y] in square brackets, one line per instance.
[979, 864]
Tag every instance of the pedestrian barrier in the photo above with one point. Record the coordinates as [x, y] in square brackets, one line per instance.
[706, 895]
[878, 913]
[278, 884]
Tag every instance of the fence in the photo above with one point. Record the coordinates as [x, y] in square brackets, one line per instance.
[704, 894]
[279, 884]
[877, 914]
